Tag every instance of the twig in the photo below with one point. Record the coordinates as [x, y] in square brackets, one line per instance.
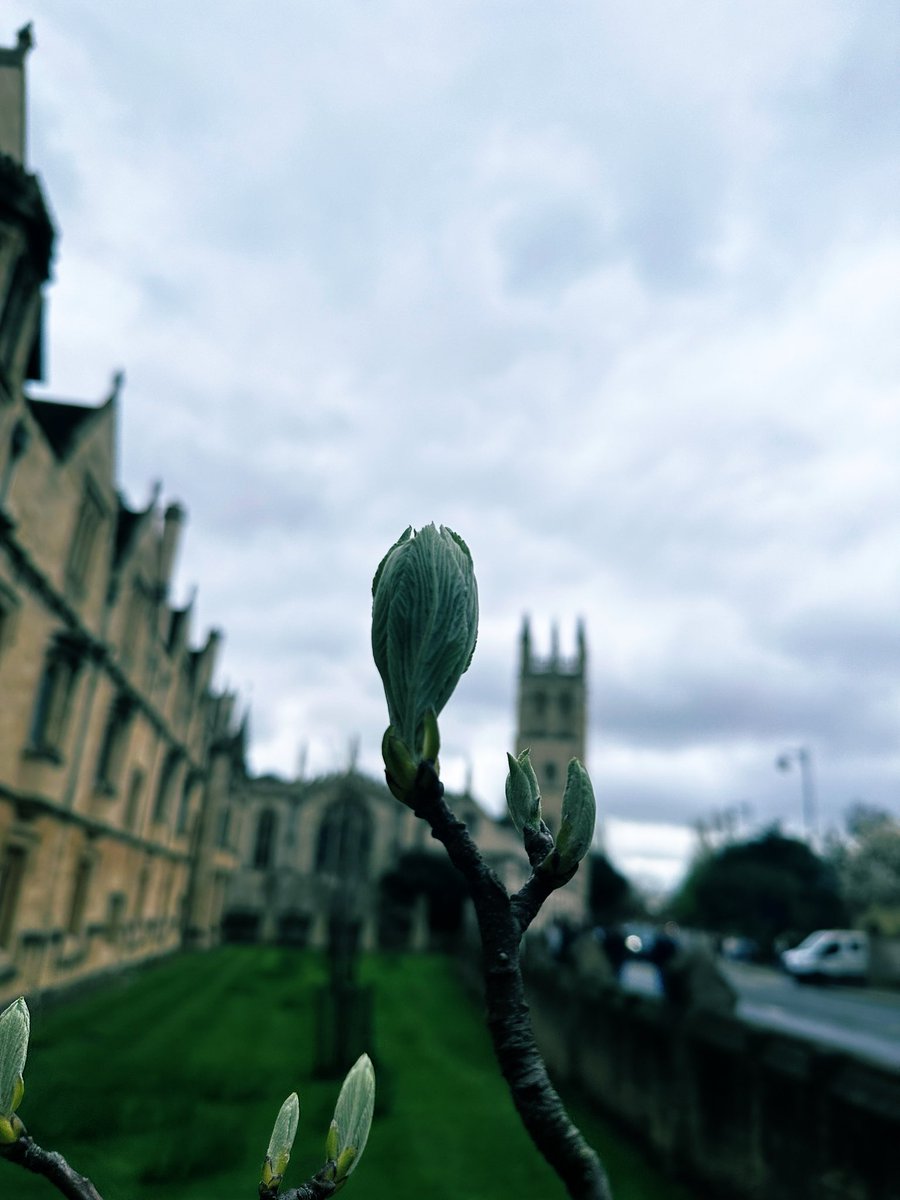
[501, 921]
[28, 1154]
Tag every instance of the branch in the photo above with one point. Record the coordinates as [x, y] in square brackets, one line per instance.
[28, 1154]
[501, 921]
[315, 1188]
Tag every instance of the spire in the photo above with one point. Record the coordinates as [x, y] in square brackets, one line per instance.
[525, 647]
[581, 639]
[12, 116]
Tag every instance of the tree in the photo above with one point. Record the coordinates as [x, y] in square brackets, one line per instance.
[424, 628]
[868, 868]
[762, 889]
[610, 895]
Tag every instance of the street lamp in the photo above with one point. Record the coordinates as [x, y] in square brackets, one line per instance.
[802, 756]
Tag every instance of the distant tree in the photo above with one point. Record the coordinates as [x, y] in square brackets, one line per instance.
[762, 889]
[610, 895]
[867, 862]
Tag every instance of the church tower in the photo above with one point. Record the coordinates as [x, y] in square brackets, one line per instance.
[552, 714]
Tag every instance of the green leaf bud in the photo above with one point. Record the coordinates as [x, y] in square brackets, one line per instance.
[399, 768]
[15, 1025]
[579, 812]
[11, 1129]
[431, 737]
[281, 1142]
[344, 1164]
[523, 793]
[424, 627]
[331, 1143]
[352, 1118]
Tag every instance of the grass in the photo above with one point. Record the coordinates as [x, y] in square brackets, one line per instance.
[166, 1084]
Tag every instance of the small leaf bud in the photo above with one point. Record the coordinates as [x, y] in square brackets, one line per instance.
[349, 1130]
[15, 1026]
[399, 768]
[11, 1129]
[523, 793]
[579, 812]
[281, 1142]
[431, 737]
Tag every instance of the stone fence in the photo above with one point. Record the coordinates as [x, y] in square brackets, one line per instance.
[737, 1111]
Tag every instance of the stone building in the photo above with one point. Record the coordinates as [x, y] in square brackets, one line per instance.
[120, 768]
[552, 714]
[313, 848]
[307, 846]
[551, 722]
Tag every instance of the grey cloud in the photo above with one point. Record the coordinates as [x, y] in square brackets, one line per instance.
[612, 295]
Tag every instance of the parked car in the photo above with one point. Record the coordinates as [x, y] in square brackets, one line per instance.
[829, 954]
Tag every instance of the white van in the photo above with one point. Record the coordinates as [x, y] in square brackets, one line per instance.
[839, 954]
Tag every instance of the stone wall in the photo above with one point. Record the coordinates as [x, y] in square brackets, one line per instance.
[744, 1113]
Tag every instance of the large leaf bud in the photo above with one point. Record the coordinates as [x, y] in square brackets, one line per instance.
[424, 626]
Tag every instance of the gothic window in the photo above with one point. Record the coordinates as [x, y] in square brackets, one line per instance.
[12, 872]
[116, 904]
[345, 839]
[265, 839]
[133, 803]
[539, 705]
[115, 741]
[182, 821]
[224, 835]
[131, 630]
[166, 787]
[78, 897]
[140, 896]
[8, 610]
[550, 772]
[566, 705]
[84, 539]
[54, 697]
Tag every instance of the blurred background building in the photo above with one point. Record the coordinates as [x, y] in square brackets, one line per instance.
[120, 766]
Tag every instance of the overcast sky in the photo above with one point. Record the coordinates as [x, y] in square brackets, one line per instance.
[611, 289]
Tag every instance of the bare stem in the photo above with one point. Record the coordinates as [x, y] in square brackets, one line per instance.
[28, 1154]
[501, 922]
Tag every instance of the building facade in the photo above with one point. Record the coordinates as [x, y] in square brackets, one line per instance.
[120, 768]
[315, 849]
[309, 848]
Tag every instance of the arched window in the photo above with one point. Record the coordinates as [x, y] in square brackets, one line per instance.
[345, 839]
[265, 839]
[166, 786]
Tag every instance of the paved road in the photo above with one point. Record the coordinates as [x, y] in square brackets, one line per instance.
[863, 1021]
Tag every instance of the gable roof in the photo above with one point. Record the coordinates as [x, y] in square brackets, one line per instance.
[62, 423]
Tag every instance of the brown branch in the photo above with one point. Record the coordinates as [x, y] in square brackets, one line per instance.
[318, 1187]
[501, 921]
[54, 1168]
[28, 1154]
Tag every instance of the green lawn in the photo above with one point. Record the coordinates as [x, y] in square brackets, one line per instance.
[165, 1084]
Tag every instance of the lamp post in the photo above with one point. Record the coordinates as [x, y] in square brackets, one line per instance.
[802, 756]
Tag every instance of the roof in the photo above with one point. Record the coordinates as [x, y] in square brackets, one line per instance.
[61, 423]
